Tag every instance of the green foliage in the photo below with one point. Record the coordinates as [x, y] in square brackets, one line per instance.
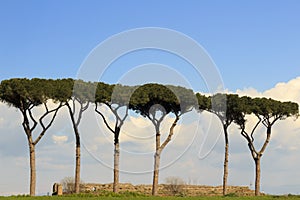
[84, 92]
[121, 94]
[186, 98]
[22, 93]
[204, 103]
[151, 98]
[268, 110]
[25, 93]
[103, 93]
[146, 97]
[226, 107]
[62, 89]
[244, 106]
[219, 104]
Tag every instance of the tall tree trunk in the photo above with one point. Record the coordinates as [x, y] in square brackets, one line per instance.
[77, 146]
[225, 175]
[77, 168]
[156, 172]
[116, 168]
[257, 176]
[156, 161]
[32, 169]
[116, 160]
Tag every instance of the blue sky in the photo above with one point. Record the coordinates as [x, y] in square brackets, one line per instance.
[254, 44]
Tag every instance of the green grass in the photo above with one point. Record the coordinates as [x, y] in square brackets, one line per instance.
[133, 196]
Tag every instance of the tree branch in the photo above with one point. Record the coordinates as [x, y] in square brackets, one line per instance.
[26, 125]
[265, 144]
[82, 109]
[250, 143]
[265, 122]
[171, 133]
[119, 119]
[45, 128]
[32, 118]
[275, 120]
[266, 141]
[161, 118]
[255, 127]
[86, 106]
[124, 118]
[46, 107]
[115, 112]
[74, 106]
[152, 120]
[104, 119]
[71, 114]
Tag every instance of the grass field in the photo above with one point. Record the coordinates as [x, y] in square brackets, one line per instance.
[128, 197]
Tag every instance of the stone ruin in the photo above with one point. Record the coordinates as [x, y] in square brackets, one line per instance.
[189, 190]
[57, 189]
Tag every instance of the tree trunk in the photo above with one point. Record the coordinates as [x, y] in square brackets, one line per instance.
[116, 168]
[77, 148]
[225, 175]
[77, 169]
[32, 169]
[257, 176]
[156, 161]
[156, 172]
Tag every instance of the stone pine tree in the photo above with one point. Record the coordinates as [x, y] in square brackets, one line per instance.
[223, 106]
[76, 95]
[27, 96]
[268, 112]
[155, 102]
[116, 99]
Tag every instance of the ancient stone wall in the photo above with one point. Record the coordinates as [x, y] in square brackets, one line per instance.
[189, 190]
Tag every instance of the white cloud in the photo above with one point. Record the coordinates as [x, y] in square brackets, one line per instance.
[59, 139]
[289, 91]
[249, 92]
[282, 91]
[1, 121]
